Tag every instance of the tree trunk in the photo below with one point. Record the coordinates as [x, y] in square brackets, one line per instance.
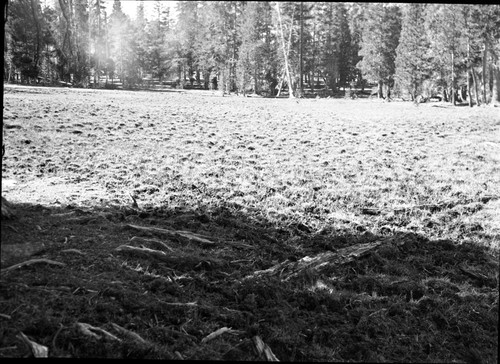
[476, 89]
[222, 80]
[496, 84]
[453, 96]
[485, 54]
[256, 88]
[289, 78]
[36, 18]
[301, 83]
[469, 74]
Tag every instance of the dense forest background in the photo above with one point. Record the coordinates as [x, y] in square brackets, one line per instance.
[408, 50]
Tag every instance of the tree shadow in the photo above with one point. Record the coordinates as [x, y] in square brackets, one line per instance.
[173, 276]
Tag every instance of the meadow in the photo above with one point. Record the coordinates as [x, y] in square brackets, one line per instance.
[172, 212]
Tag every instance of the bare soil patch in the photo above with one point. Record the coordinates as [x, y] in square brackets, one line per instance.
[195, 226]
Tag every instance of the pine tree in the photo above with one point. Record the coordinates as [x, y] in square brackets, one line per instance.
[356, 19]
[380, 39]
[139, 42]
[117, 35]
[157, 57]
[187, 31]
[412, 64]
[344, 45]
[484, 23]
[247, 66]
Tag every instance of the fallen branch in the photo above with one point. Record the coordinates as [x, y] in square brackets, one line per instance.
[188, 304]
[219, 332]
[151, 241]
[88, 330]
[288, 269]
[129, 334]
[141, 251]
[175, 259]
[173, 233]
[38, 351]
[262, 348]
[31, 262]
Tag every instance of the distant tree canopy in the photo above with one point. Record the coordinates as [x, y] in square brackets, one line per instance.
[413, 49]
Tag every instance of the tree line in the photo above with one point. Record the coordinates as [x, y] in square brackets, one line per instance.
[409, 50]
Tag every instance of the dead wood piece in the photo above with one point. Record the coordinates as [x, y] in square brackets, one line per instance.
[129, 334]
[152, 241]
[263, 349]
[239, 245]
[472, 274]
[64, 214]
[173, 233]
[178, 355]
[13, 228]
[288, 269]
[187, 304]
[30, 262]
[38, 351]
[90, 330]
[219, 332]
[141, 251]
[134, 203]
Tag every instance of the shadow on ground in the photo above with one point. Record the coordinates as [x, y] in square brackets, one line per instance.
[100, 286]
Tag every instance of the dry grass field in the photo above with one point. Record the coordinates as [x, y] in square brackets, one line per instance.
[318, 229]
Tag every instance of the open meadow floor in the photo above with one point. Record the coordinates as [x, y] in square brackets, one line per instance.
[317, 229]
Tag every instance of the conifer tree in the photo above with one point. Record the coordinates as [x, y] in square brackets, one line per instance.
[380, 39]
[412, 63]
[445, 25]
[248, 57]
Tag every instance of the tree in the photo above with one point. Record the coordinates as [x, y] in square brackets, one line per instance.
[356, 18]
[445, 24]
[118, 24]
[412, 59]
[484, 25]
[157, 55]
[186, 30]
[217, 42]
[285, 50]
[25, 33]
[380, 39]
[336, 59]
[248, 57]
[98, 37]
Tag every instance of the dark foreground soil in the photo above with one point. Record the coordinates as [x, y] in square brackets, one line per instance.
[401, 302]
[126, 281]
